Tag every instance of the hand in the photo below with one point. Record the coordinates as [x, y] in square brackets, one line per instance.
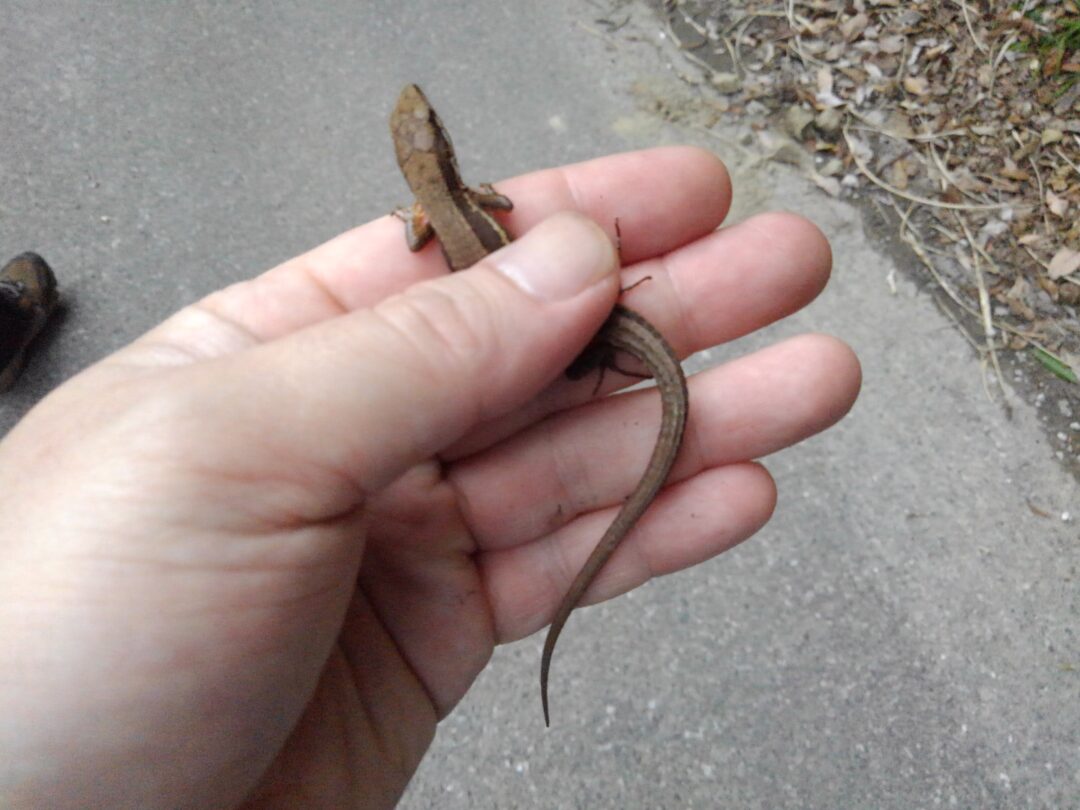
[256, 555]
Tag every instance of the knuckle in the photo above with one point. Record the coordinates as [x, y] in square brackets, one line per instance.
[448, 333]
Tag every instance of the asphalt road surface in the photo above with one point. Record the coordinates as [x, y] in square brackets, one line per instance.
[902, 634]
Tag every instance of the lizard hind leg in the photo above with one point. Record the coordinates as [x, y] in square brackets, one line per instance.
[614, 366]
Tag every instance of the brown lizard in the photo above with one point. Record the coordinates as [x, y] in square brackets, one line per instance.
[459, 217]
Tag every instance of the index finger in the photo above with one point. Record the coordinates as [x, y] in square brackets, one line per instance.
[662, 198]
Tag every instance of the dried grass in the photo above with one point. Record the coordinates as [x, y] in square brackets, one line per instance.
[966, 114]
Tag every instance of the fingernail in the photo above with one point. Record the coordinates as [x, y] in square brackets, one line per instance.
[558, 258]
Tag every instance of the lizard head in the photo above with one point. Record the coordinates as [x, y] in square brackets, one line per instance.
[416, 127]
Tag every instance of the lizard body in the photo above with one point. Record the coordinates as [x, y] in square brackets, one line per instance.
[461, 220]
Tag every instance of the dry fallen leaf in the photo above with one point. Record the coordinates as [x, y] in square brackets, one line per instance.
[1057, 205]
[941, 110]
[824, 81]
[1064, 263]
[1017, 298]
[1050, 136]
[1012, 172]
[917, 85]
[852, 27]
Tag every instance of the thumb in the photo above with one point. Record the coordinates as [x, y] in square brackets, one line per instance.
[375, 391]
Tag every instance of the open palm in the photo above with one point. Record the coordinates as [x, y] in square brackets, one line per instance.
[261, 551]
